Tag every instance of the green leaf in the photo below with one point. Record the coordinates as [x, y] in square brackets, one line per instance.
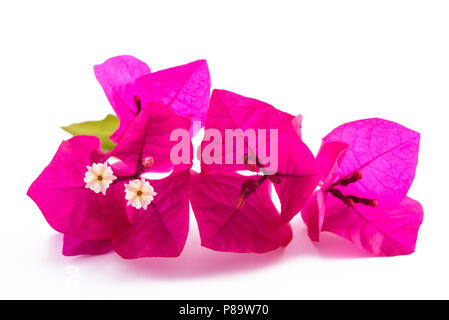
[101, 129]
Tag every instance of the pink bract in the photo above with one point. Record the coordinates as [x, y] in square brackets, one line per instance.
[385, 152]
[161, 230]
[378, 231]
[254, 228]
[148, 135]
[67, 205]
[184, 89]
[367, 167]
[296, 164]
[297, 172]
[89, 220]
[117, 76]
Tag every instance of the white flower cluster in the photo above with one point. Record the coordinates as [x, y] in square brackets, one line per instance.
[139, 192]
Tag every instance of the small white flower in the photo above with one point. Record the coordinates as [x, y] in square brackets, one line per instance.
[139, 193]
[99, 177]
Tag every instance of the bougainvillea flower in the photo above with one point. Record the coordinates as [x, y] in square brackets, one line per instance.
[367, 167]
[296, 167]
[241, 217]
[98, 177]
[84, 216]
[128, 84]
[139, 193]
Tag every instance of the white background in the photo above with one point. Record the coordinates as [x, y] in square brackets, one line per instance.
[331, 61]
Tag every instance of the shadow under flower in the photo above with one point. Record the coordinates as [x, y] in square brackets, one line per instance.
[196, 261]
[199, 262]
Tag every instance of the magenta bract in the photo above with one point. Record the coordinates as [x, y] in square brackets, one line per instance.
[117, 76]
[296, 178]
[148, 135]
[184, 89]
[296, 165]
[161, 230]
[67, 205]
[85, 217]
[367, 167]
[254, 228]
[128, 84]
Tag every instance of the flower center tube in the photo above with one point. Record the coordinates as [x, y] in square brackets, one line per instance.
[250, 185]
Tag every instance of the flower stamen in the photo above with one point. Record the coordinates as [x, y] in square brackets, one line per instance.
[350, 200]
[338, 194]
[356, 176]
